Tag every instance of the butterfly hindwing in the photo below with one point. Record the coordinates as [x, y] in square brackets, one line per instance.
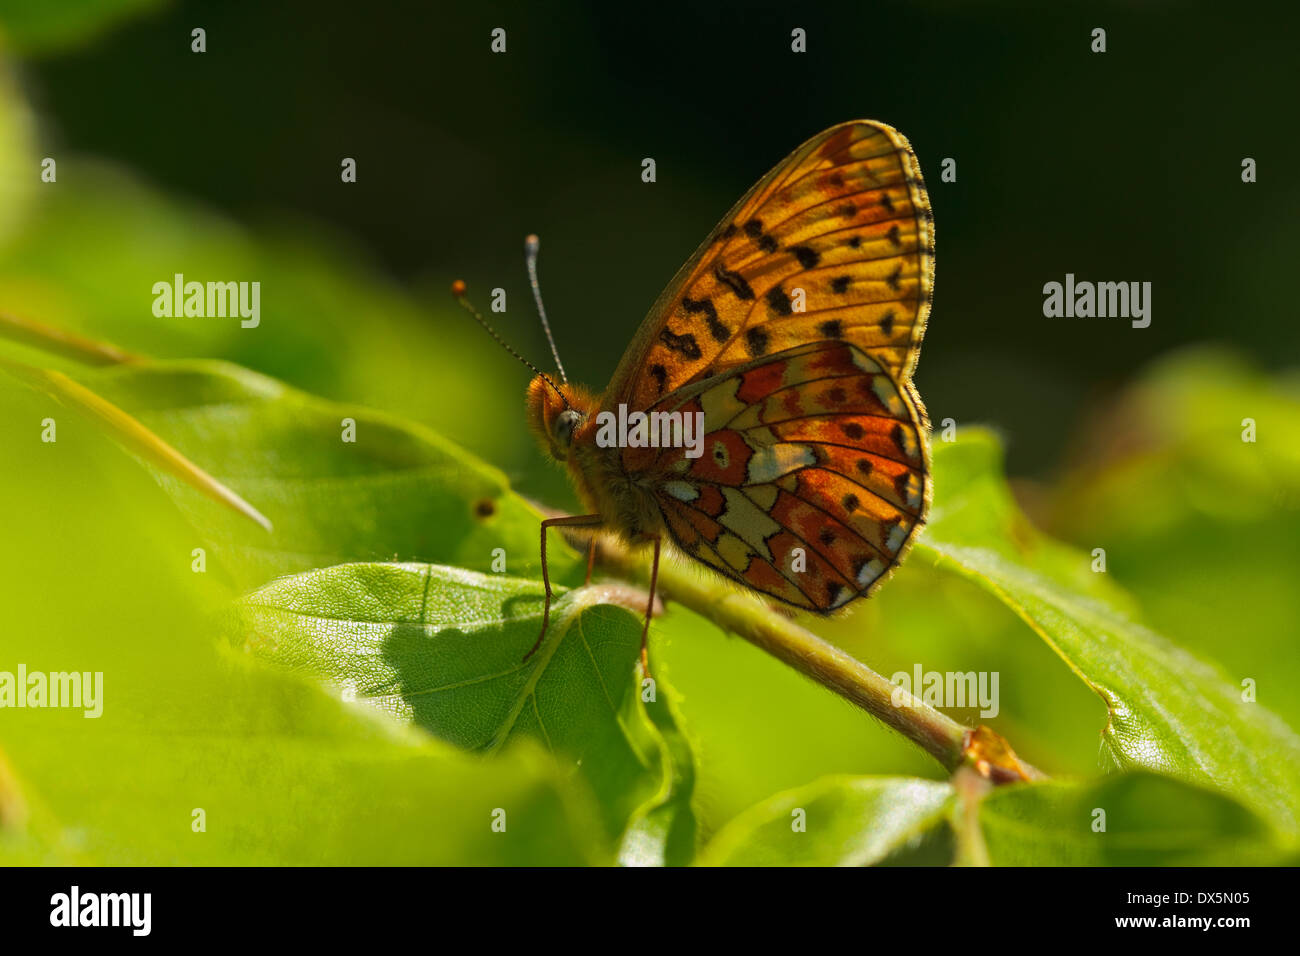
[835, 243]
[812, 476]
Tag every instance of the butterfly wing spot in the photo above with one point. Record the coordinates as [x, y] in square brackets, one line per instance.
[748, 522]
[867, 570]
[887, 202]
[893, 236]
[840, 284]
[865, 362]
[897, 535]
[721, 403]
[732, 550]
[887, 324]
[850, 503]
[908, 487]
[831, 329]
[888, 395]
[685, 344]
[660, 375]
[773, 461]
[905, 441]
[764, 496]
[734, 281]
[756, 342]
[778, 301]
[754, 229]
[682, 490]
[721, 334]
[808, 258]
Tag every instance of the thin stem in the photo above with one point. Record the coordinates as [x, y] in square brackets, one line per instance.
[742, 614]
[61, 342]
[131, 434]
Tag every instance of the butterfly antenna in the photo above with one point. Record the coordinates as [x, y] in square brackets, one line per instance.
[531, 246]
[458, 290]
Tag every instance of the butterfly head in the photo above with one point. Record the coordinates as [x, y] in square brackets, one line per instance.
[556, 413]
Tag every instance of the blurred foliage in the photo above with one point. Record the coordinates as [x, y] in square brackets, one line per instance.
[42, 28]
[1144, 820]
[328, 719]
[836, 821]
[1201, 525]
[17, 134]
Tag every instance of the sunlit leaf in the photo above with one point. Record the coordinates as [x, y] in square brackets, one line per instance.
[444, 648]
[1166, 709]
[836, 821]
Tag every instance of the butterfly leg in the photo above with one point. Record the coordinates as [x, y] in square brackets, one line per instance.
[591, 558]
[567, 520]
[649, 609]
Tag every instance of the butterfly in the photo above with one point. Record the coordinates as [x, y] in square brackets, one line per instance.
[790, 337]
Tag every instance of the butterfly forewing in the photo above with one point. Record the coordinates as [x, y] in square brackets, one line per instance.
[836, 243]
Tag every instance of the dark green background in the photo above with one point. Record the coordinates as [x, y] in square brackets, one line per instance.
[1119, 166]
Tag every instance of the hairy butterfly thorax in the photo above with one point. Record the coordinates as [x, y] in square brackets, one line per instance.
[764, 419]
[565, 421]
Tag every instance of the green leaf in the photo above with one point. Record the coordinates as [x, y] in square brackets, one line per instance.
[398, 492]
[444, 648]
[1206, 554]
[1166, 709]
[835, 821]
[1148, 820]
[98, 577]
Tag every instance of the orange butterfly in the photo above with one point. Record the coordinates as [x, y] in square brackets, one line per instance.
[791, 336]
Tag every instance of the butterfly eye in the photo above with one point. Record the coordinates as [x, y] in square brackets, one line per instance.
[565, 423]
